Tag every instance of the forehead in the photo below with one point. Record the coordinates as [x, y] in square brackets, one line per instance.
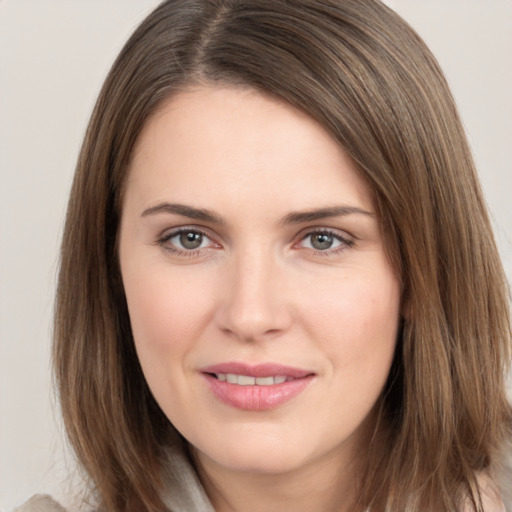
[241, 144]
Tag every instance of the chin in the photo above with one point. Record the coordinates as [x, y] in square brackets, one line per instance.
[270, 457]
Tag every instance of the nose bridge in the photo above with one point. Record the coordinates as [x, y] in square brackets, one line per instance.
[254, 302]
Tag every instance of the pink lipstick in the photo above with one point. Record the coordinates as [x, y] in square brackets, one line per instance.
[255, 388]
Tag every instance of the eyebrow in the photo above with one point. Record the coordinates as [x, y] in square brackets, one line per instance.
[186, 211]
[324, 213]
[205, 215]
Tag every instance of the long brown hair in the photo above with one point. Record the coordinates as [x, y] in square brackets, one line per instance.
[367, 77]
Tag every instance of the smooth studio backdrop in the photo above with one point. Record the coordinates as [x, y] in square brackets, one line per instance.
[54, 55]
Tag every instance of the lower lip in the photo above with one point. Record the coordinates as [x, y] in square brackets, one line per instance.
[256, 398]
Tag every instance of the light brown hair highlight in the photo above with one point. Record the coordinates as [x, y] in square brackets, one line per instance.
[365, 75]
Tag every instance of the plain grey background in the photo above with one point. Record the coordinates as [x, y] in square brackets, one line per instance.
[54, 55]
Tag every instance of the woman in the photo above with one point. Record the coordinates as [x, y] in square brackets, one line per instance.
[279, 287]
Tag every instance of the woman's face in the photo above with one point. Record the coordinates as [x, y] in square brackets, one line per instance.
[263, 307]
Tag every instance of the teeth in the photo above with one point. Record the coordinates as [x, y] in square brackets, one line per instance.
[265, 381]
[246, 380]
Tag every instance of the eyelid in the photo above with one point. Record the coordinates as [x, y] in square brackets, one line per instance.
[347, 240]
[170, 233]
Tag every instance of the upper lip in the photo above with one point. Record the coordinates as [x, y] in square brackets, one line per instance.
[258, 370]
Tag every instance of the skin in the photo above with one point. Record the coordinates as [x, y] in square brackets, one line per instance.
[257, 290]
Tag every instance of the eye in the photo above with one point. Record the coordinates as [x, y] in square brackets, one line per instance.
[325, 241]
[186, 241]
[320, 241]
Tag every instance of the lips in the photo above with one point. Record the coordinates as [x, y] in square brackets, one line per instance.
[255, 388]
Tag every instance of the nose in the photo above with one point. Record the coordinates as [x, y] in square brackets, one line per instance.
[254, 301]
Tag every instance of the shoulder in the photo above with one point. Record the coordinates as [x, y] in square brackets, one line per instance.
[40, 503]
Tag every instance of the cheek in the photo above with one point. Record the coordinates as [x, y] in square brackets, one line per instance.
[356, 320]
[358, 330]
[167, 316]
[166, 310]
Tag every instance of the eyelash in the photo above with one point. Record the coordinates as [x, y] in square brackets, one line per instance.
[184, 253]
[345, 242]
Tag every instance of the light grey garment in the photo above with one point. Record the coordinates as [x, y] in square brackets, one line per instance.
[40, 503]
[183, 491]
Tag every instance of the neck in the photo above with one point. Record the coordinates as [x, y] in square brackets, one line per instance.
[328, 485]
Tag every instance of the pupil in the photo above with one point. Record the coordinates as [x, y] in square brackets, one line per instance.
[321, 241]
[191, 240]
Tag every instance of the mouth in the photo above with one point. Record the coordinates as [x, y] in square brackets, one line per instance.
[248, 380]
[256, 388]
